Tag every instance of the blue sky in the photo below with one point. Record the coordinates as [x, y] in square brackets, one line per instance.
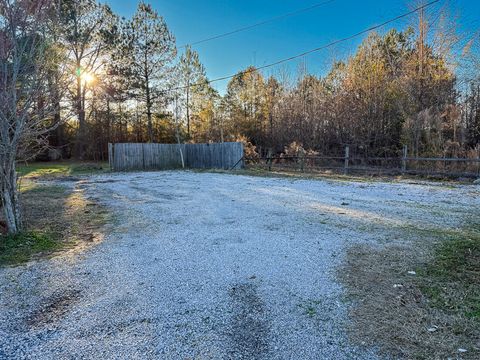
[192, 20]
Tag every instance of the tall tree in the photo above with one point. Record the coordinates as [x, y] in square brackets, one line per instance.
[247, 104]
[88, 29]
[149, 50]
[192, 78]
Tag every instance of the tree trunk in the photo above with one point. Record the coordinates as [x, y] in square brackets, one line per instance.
[149, 113]
[10, 201]
[80, 143]
[188, 110]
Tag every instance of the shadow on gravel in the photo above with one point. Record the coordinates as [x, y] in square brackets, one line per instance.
[249, 323]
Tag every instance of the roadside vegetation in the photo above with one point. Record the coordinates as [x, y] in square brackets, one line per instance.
[419, 299]
[55, 217]
[47, 170]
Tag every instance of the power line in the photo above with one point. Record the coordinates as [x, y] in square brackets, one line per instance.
[309, 51]
[264, 22]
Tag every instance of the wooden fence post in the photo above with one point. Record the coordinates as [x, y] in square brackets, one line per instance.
[269, 159]
[110, 156]
[478, 160]
[347, 157]
[302, 160]
[404, 159]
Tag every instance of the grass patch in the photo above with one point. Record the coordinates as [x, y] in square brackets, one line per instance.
[60, 169]
[451, 281]
[429, 314]
[56, 218]
[15, 249]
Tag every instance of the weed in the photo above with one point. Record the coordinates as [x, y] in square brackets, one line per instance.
[310, 307]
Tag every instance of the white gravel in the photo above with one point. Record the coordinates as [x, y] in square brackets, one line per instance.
[212, 266]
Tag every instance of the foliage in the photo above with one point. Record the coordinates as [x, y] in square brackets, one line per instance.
[195, 88]
[25, 109]
[19, 248]
[249, 150]
[87, 31]
[148, 52]
[246, 106]
[93, 78]
[397, 88]
[293, 149]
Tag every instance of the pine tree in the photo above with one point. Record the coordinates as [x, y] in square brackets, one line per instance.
[193, 78]
[149, 50]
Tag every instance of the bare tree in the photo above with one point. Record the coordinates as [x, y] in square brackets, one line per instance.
[25, 104]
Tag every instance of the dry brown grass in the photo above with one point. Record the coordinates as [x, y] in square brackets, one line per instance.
[429, 315]
[56, 219]
[67, 214]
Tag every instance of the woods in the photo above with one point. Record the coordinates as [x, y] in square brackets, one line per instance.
[127, 80]
[76, 76]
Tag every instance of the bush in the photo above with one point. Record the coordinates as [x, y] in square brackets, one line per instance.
[249, 150]
[293, 149]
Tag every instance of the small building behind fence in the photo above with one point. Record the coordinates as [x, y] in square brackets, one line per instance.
[132, 156]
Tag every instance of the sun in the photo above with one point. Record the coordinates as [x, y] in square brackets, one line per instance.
[88, 78]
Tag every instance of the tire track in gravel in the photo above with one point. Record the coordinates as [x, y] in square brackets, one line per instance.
[249, 324]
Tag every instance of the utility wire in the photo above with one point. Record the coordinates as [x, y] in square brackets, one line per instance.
[307, 52]
[264, 22]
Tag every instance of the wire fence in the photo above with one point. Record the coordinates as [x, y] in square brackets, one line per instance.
[347, 164]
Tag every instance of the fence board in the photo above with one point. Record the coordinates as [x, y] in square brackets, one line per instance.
[131, 156]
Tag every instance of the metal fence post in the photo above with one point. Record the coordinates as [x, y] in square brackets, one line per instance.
[347, 157]
[404, 159]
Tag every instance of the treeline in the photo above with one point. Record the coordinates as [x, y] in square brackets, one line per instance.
[127, 82]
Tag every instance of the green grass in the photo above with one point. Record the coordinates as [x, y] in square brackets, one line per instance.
[451, 281]
[443, 295]
[19, 248]
[59, 169]
[55, 218]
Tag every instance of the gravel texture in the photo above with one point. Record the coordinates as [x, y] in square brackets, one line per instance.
[211, 266]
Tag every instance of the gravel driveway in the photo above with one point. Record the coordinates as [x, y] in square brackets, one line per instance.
[211, 266]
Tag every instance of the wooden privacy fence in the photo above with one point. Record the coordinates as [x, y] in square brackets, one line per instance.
[131, 156]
